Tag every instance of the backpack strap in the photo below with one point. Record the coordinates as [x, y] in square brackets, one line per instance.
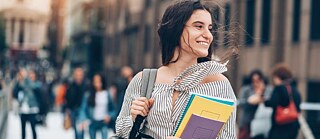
[148, 80]
[147, 83]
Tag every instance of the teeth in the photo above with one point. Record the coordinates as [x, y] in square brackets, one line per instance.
[203, 43]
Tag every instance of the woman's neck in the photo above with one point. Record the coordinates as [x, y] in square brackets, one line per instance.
[183, 62]
[98, 90]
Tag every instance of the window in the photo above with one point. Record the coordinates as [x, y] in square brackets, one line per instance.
[315, 20]
[296, 21]
[250, 21]
[21, 33]
[147, 37]
[147, 3]
[132, 47]
[265, 30]
[313, 117]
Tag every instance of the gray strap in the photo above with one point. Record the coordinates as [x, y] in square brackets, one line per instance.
[145, 80]
[148, 79]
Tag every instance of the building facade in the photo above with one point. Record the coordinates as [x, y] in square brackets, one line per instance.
[84, 32]
[26, 23]
[57, 40]
[285, 31]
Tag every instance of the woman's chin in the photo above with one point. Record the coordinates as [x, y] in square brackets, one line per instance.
[202, 55]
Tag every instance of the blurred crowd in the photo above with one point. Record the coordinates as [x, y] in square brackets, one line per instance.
[91, 105]
[88, 105]
[259, 102]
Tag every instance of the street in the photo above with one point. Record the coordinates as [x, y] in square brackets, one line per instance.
[54, 129]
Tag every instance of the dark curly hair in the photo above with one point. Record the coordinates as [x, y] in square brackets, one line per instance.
[283, 72]
[92, 95]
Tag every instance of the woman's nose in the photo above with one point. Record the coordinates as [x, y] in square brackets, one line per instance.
[207, 34]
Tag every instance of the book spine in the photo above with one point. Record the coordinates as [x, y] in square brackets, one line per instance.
[184, 112]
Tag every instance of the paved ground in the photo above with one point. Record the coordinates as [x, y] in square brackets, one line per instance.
[54, 129]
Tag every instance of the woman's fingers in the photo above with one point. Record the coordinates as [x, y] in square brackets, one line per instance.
[140, 103]
[143, 99]
[141, 109]
[140, 106]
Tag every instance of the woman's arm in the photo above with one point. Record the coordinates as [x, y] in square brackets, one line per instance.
[229, 129]
[274, 99]
[124, 120]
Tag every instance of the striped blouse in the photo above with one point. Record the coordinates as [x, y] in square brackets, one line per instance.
[162, 118]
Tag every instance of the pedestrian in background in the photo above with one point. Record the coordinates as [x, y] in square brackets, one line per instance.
[73, 99]
[118, 90]
[251, 96]
[97, 110]
[186, 34]
[60, 94]
[27, 92]
[283, 90]
[121, 86]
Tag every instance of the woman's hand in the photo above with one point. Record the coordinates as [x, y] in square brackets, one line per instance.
[255, 99]
[107, 119]
[172, 137]
[141, 106]
[82, 126]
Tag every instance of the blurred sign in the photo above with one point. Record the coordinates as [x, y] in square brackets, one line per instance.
[22, 54]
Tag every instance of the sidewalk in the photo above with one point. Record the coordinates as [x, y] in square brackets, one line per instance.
[54, 129]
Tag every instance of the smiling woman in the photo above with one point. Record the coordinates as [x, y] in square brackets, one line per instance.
[187, 31]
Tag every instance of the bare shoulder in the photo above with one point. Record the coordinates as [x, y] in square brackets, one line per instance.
[215, 77]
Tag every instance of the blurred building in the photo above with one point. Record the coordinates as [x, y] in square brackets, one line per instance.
[26, 23]
[85, 32]
[283, 31]
[57, 39]
[130, 32]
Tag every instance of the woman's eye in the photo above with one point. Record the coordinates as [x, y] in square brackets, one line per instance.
[199, 27]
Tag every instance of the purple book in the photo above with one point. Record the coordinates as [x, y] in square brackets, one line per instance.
[201, 128]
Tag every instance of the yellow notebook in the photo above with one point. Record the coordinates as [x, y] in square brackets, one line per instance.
[205, 108]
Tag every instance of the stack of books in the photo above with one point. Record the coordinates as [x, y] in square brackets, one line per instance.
[204, 117]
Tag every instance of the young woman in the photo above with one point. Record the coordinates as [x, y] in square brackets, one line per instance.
[27, 93]
[186, 35]
[98, 109]
[250, 97]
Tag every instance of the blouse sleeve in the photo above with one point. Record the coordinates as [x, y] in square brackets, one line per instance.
[124, 120]
[229, 131]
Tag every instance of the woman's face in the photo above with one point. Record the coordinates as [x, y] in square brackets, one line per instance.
[97, 84]
[277, 80]
[196, 36]
[256, 81]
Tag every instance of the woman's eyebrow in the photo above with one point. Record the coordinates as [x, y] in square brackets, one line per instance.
[197, 22]
[200, 22]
